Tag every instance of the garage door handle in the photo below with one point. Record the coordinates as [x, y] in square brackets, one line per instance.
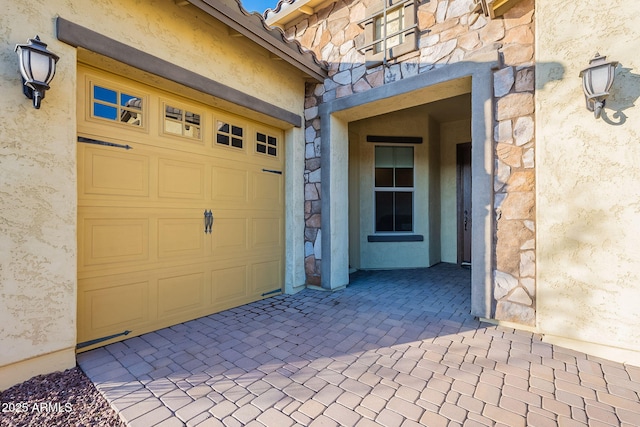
[208, 221]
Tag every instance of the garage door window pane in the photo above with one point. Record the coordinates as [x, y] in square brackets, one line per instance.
[236, 140]
[105, 111]
[104, 94]
[229, 134]
[266, 144]
[178, 121]
[130, 102]
[113, 105]
[222, 139]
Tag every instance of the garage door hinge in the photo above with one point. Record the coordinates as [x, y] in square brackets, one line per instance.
[272, 171]
[99, 340]
[98, 142]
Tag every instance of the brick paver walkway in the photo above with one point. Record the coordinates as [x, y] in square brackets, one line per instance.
[392, 349]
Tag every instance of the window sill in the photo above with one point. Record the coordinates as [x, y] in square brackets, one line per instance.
[396, 238]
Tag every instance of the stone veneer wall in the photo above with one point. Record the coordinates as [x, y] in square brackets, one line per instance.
[445, 36]
[312, 187]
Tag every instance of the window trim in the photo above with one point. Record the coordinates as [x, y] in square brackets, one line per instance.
[409, 31]
[164, 103]
[246, 132]
[91, 81]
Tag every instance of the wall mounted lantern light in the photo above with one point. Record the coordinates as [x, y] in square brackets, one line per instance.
[37, 66]
[597, 79]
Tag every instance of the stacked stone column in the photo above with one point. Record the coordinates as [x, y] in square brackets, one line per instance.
[312, 187]
[448, 33]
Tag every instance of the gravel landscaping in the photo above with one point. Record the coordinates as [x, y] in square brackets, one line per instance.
[66, 398]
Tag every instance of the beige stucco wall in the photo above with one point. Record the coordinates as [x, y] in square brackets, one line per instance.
[435, 202]
[38, 204]
[38, 156]
[188, 37]
[381, 255]
[588, 179]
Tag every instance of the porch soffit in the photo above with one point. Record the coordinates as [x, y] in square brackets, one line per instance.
[253, 26]
[289, 10]
[365, 108]
[500, 7]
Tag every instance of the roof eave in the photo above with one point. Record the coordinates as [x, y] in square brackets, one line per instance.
[286, 11]
[254, 28]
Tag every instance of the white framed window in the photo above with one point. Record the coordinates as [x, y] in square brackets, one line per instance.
[393, 189]
[390, 30]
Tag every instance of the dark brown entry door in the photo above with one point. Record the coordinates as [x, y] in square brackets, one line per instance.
[463, 159]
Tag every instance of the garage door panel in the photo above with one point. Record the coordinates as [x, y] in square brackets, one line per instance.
[266, 232]
[110, 172]
[229, 284]
[181, 180]
[229, 234]
[267, 276]
[180, 293]
[229, 185]
[118, 306]
[181, 237]
[114, 240]
[267, 190]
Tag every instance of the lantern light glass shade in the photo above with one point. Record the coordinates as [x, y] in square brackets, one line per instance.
[597, 79]
[38, 67]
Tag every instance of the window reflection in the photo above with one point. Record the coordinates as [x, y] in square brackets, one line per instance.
[111, 104]
[181, 122]
[394, 23]
[104, 94]
[105, 111]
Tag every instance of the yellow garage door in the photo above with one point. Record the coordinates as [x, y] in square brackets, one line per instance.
[180, 209]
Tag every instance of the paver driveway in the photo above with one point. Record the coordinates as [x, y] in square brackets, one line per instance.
[395, 348]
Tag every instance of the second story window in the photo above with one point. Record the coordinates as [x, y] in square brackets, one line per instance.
[390, 30]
